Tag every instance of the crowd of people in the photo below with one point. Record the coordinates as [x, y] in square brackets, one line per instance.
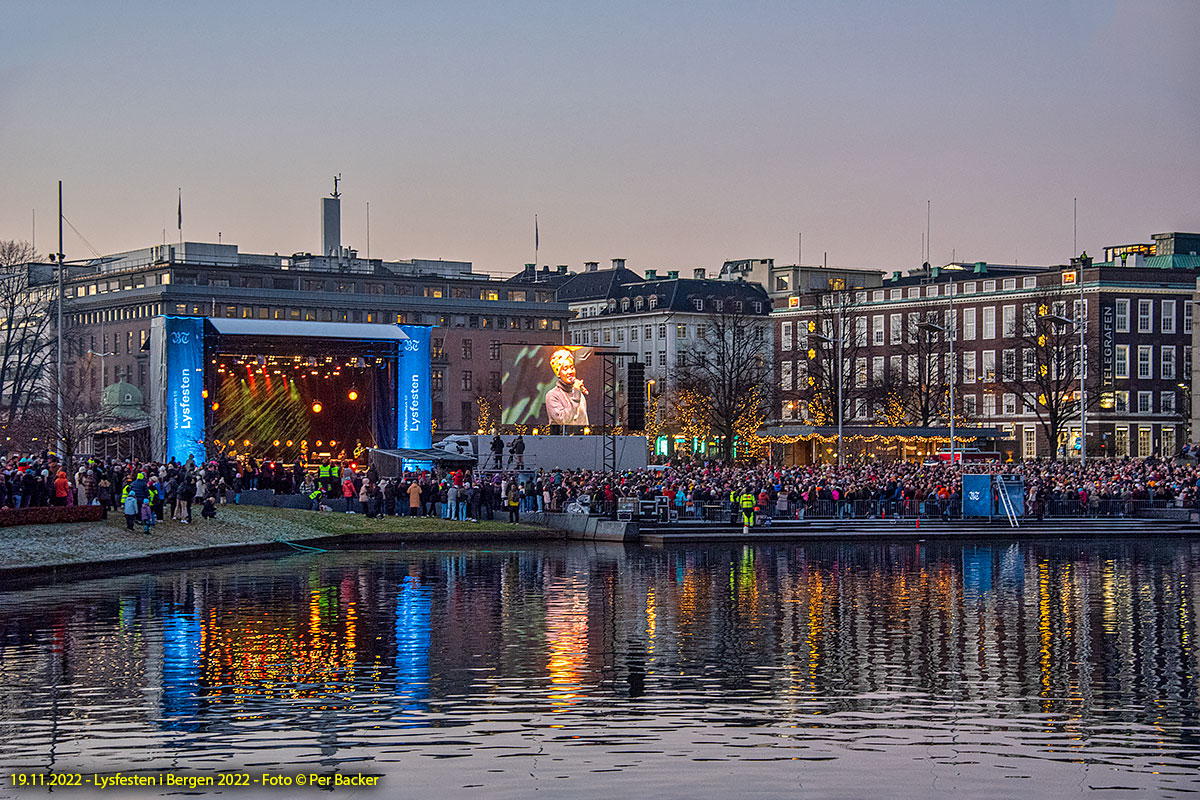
[148, 493]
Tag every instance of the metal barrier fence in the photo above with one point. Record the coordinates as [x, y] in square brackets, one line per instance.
[652, 510]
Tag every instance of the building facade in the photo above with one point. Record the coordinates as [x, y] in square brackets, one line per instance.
[1136, 355]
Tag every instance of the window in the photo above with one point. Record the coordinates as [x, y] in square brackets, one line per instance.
[1121, 314]
[970, 405]
[968, 324]
[662, 330]
[895, 294]
[466, 380]
[785, 376]
[1167, 445]
[633, 333]
[968, 363]
[969, 287]
[653, 301]
[662, 358]
[989, 322]
[1145, 316]
[897, 328]
[466, 349]
[877, 329]
[914, 319]
[1167, 312]
[989, 404]
[860, 372]
[1010, 404]
[1121, 441]
[1028, 364]
[1145, 402]
[1187, 317]
[1145, 442]
[1008, 365]
[1121, 361]
[608, 335]
[1010, 284]
[932, 292]
[877, 369]
[989, 366]
[1010, 320]
[649, 332]
[1166, 402]
[1167, 362]
[896, 368]
[989, 286]
[1145, 367]
[877, 296]
[860, 407]
[494, 350]
[860, 331]
[698, 304]
[1121, 402]
[1187, 362]
[785, 336]
[437, 380]
[914, 292]
[1029, 282]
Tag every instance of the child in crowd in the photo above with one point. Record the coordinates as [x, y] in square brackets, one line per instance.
[210, 508]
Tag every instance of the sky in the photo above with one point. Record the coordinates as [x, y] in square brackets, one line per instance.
[672, 134]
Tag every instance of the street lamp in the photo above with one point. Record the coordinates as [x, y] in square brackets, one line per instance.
[1081, 324]
[820, 337]
[102, 356]
[931, 327]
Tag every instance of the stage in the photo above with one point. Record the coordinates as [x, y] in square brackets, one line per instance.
[286, 390]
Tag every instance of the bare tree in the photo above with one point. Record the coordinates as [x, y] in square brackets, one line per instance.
[723, 386]
[1043, 368]
[817, 382]
[26, 331]
[920, 399]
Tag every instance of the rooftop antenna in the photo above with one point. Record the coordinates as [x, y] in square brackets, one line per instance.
[368, 230]
[928, 228]
[336, 178]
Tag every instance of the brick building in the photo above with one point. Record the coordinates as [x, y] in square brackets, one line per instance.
[1138, 349]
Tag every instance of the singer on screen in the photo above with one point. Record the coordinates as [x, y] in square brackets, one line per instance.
[566, 403]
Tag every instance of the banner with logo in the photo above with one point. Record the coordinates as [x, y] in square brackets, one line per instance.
[185, 385]
[977, 495]
[414, 402]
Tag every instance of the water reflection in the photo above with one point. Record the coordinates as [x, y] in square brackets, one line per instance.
[1033, 660]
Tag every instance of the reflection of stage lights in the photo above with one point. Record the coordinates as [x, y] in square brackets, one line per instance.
[353, 395]
[316, 406]
[289, 442]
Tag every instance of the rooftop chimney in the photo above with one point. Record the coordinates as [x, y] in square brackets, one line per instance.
[618, 263]
[562, 269]
[698, 273]
[331, 225]
[591, 266]
[672, 274]
[651, 274]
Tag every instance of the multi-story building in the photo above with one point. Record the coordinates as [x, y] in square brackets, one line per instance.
[658, 318]
[1137, 349]
[110, 301]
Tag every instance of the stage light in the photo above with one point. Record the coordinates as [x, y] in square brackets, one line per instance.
[245, 443]
[204, 393]
[277, 443]
[215, 405]
[316, 406]
[353, 395]
[289, 442]
[587, 431]
[231, 442]
[332, 443]
[318, 444]
[535, 430]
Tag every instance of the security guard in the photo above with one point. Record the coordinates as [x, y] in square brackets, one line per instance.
[325, 476]
[747, 501]
[314, 497]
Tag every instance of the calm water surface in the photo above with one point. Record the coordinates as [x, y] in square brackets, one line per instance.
[842, 670]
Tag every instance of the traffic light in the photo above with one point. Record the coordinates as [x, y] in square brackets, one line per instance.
[635, 404]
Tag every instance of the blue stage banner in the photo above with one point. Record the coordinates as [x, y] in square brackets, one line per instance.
[977, 495]
[185, 384]
[414, 402]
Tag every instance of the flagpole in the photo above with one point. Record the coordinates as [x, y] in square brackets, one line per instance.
[536, 242]
[180, 223]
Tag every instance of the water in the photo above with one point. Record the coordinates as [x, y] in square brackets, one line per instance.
[839, 670]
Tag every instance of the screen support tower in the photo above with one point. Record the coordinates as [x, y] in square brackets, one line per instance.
[608, 424]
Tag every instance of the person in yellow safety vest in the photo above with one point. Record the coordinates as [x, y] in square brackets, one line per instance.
[315, 498]
[747, 501]
[325, 476]
[733, 504]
